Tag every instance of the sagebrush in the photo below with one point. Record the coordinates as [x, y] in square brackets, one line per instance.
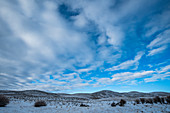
[3, 101]
[40, 103]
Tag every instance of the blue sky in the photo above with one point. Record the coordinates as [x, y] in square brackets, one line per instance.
[85, 45]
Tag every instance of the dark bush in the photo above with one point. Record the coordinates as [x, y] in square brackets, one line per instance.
[83, 105]
[122, 102]
[3, 101]
[155, 100]
[168, 99]
[149, 101]
[40, 103]
[163, 100]
[137, 101]
[113, 104]
[142, 100]
[158, 99]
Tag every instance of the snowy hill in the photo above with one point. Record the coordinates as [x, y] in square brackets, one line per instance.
[97, 102]
[95, 95]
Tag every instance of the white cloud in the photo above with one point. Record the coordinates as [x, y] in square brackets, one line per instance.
[124, 77]
[156, 51]
[161, 73]
[164, 69]
[115, 36]
[104, 81]
[150, 66]
[157, 77]
[160, 40]
[53, 41]
[80, 21]
[49, 44]
[159, 44]
[154, 42]
[81, 85]
[102, 16]
[129, 63]
[129, 75]
[28, 7]
[158, 22]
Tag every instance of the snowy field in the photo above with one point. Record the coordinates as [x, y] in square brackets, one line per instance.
[21, 106]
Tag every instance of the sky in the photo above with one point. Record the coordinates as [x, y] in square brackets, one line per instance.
[74, 46]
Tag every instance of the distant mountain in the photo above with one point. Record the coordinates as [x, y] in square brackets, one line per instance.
[95, 95]
[105, 94]
[132, 94]
[27, 93]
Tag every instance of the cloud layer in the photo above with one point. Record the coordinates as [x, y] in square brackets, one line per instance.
[59, 45]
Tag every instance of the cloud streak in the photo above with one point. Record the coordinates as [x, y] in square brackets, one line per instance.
[159, 44]
[128, 64]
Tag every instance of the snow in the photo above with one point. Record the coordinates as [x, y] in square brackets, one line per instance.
[96, 106]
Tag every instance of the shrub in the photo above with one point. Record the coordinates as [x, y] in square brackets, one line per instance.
[83, 105]
[163, 100]
[155, 100]
[3, 101]
[40, 103]
[158, 99]
[142, 100]
[113, 104]
[122, 102]
[149, 101]
[137, 101]
[168, 99]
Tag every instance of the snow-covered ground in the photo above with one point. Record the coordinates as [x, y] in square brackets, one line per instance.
[20, 106]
